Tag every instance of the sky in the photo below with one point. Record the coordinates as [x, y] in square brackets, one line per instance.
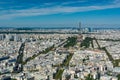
[64, 13]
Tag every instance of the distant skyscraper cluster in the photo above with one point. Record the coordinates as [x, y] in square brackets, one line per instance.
[84, 29]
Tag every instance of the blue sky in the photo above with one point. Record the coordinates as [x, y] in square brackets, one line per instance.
[59, 12]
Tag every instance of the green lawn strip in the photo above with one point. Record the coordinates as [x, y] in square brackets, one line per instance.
[59, 74]
[71, 41]
[13, 79]
[108, 54]
[65, 63]
[114, 62]
[86, 42]
[67, 60]
[92, 44]
[35, 55]
[97, 43]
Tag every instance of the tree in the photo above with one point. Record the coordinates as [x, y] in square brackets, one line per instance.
[118, 76]
[89, 77]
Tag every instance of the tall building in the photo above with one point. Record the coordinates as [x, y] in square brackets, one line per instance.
[11, 37]
[80, 36]
[80, 28]
[90, 29]
[1, 37]
[7, 37]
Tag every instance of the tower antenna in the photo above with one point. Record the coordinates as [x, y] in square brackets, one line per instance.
[80, 28]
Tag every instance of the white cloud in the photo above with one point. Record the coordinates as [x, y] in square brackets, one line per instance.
[116, 1]
[72, 2]
[51, 10]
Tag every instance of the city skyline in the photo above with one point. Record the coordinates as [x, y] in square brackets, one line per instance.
[59, 13]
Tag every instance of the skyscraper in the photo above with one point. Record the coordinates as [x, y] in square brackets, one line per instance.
[80, 28]
[79, 38]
